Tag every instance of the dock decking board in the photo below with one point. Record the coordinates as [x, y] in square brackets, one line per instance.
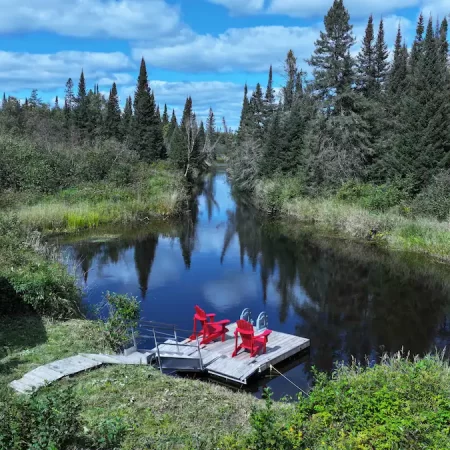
[217, 358]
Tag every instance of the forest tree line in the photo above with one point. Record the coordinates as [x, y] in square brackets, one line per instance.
[87, 137]
[376, 118]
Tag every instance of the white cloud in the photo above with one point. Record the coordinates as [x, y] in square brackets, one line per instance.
[357, 8]
[124, 19]
[224, 97]
[241, 6]
[248, 49]
[50, 71]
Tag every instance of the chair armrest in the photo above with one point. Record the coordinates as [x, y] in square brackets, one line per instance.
[211, 316]
[222, 322]
[265, 333]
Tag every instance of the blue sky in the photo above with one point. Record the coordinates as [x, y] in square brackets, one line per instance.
[204, 48]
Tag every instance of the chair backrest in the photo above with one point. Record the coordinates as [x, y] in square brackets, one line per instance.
[200, 312]
[246, 331]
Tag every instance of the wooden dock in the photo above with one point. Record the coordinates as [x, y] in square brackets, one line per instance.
[217, 360]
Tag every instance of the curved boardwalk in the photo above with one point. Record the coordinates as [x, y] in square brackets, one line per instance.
[70, 366]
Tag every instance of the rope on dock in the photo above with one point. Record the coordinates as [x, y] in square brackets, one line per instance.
[290, 381]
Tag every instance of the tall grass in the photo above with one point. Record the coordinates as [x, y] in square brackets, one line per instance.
[398, 231]
[159, 193]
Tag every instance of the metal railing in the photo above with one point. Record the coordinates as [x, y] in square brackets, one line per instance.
[160, 337]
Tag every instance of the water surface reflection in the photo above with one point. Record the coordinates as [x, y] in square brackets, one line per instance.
[349, 298]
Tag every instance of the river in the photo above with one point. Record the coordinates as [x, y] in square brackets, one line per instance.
[350, 299]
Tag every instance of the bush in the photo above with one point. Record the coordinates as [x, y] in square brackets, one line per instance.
[369, 196]
[31, 272]
[434, 200]
[47, 420]
[122, 314]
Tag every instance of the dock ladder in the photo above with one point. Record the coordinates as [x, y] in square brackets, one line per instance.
[172, 350]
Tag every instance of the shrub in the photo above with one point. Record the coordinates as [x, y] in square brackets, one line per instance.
[369, 196]
[122, 314]
[109, 433]
[47, 420]
[31, 272]
[434, 200]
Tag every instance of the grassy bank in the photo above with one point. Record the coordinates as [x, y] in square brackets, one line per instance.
[395, 226]
[157, 192]
[147, 409]
[398, 403]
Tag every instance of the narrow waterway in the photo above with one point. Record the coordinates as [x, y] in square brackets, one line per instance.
[349, 298]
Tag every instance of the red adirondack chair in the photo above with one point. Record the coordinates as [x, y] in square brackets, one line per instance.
[210, 330]
[249, 341]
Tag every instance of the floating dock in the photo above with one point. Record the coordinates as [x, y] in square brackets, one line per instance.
[216, 357]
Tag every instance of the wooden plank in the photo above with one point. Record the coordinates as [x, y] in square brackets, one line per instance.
[72, 365]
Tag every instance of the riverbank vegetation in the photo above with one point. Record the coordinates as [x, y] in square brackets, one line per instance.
[398, 403]
[359, 144]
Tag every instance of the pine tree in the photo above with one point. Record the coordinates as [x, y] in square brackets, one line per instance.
[244, 123]
[291, 71]
[381, 59]
[257, 117]
[339, 138]
[113, 127]
[56, 106]
[4, 101]
[332, 63]
[399, 68]
[201, 137]
[147, 138]
[211, 125]
[69, 104]
[165, 117]
[366, 62]
[417, 47]
[127, 118]
[81, 111]
[270, 92]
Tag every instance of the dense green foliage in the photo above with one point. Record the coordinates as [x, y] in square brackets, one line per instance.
[398, 403]
[122, 314]
[48, 420]
[367, 124]
[32, 274]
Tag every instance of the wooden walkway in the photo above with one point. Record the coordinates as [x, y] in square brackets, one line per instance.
[217, 360]
[51, 372]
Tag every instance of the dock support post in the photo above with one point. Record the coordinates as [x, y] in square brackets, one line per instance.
[199, 354]
[157, 351]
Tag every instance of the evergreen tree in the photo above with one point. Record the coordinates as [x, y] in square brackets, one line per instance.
[257, 117]
[291, 71]
[332, 63]
[81, 112]
[113, 128]
[56, 106]
[201, 137]
[211, 126]
[244, 123]
[127, 118]
[270, 92]
[339, 138]
[381, 59]
[399, 68]
[147, 138]
[165, 117]
[417, 47]
[4, 101]
[366, 62]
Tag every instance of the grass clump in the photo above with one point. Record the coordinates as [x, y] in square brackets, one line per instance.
[399, 403]
[33, 276]
[156, 192]
[361, 212]
[127, 407]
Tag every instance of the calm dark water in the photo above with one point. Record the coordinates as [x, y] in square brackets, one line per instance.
[350, 299]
